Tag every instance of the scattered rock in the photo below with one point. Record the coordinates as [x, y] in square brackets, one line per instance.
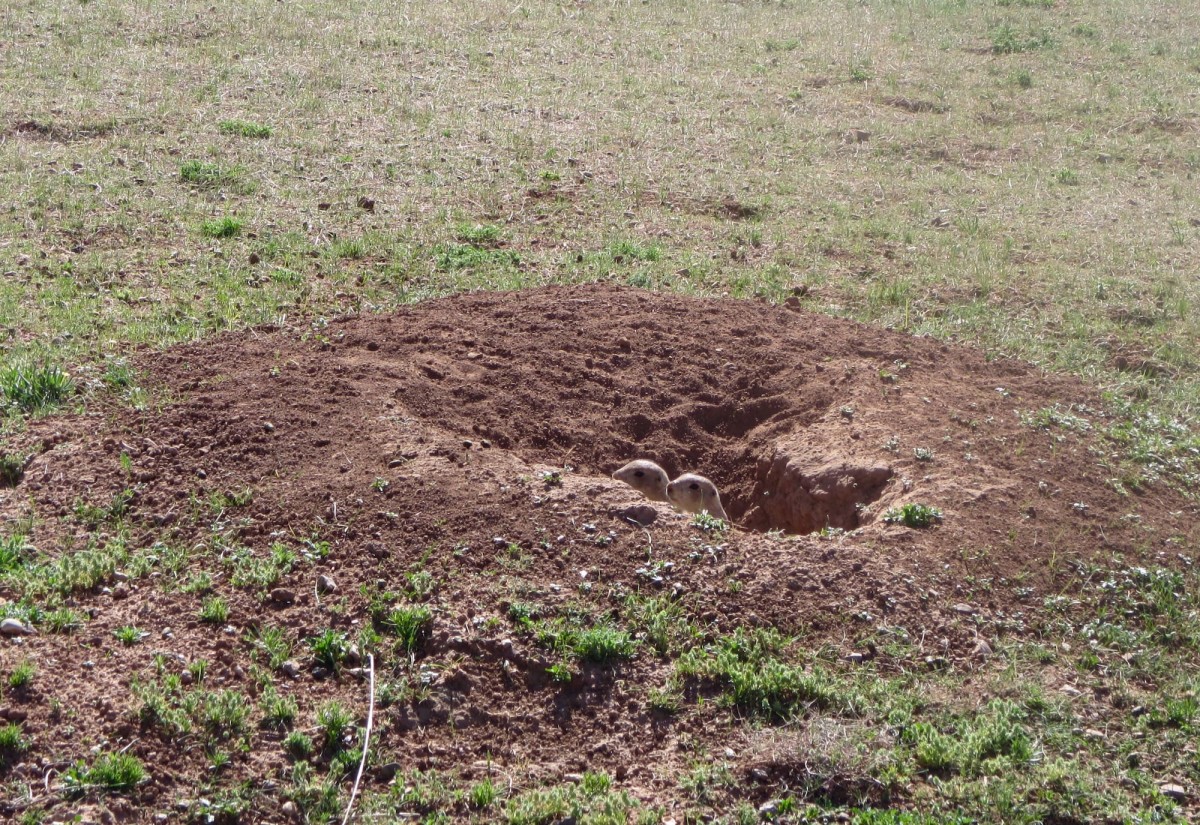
[769, 808]
[326, 584]
[121, 591]
[1092, 733]
[290, 809]
[642, 515]
[186, 677]
[281, 595]
[13, 714]
[982, 649]
[386, 772]
[855, 658]
[290, 668]
[320, 673]
[15, 627]
[1173, 791]
[963, 609]
[1070, 690]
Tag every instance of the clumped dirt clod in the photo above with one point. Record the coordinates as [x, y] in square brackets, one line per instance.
[439, 439]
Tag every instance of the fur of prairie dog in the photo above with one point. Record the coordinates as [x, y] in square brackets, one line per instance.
[646, 477]
[692, 493]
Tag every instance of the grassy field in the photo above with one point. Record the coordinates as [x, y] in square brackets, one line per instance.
[1017, 174]
[1027, 183]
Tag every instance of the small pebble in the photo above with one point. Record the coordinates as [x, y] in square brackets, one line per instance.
[290, 668]
[326, 584]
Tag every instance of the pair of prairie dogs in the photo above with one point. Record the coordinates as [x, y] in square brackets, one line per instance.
[690, 492]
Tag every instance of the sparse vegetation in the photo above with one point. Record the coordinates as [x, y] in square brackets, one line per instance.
[913, 515]
[108, 773]
[988, 192]
[225, 227]
[35, 388]
[243, 128]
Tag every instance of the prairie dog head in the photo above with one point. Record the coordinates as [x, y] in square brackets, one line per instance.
[692, 493]
[646, 477]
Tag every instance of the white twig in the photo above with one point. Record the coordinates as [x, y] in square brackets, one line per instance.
[362, 763]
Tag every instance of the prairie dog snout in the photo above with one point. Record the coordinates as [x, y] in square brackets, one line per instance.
[646, 477]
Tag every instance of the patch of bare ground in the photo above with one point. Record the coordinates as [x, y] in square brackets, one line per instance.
[438, 439]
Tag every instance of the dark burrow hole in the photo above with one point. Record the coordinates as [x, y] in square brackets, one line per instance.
[787, 495]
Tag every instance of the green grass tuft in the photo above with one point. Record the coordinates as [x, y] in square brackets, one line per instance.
[913, 515]
[243, 128]
[225, 227]
[35, 388]
[109, 773]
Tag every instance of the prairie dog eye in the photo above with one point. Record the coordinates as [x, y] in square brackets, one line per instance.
[638, 473]
[693, 486]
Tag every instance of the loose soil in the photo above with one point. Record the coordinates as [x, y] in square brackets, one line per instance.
[492, 420]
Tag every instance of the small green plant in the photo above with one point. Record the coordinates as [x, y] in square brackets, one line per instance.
[278, 711]
[561, 672]
[421, 585]
[62, 620]
[482, 794]
[709, 523]
[334, 721]
[35, 388]
[330, 648]
[380, 485]
[12, 468]
[454, 257]
[129, 635]
[1007, 40]
[12, 743]
[912, 515]
[243, 128]
[603, 643]
[272, 641]
[14, 552]
[623, 251]
[477, 234]
[110, 773]
[199, 173]
[922, 454]
[214, 610]
[1023, 78]
[225, 227]
[22, 675]
[410, 625]
[298, 745]
[1067, 177]
[860, 70]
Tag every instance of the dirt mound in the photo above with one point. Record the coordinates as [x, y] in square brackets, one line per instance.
[473, 438]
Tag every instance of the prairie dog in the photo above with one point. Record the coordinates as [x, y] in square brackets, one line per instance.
[692, 493]
[646, 477]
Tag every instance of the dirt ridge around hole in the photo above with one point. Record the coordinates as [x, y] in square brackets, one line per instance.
[474, 437]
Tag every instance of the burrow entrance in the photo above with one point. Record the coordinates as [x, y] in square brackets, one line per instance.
[781, 491]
